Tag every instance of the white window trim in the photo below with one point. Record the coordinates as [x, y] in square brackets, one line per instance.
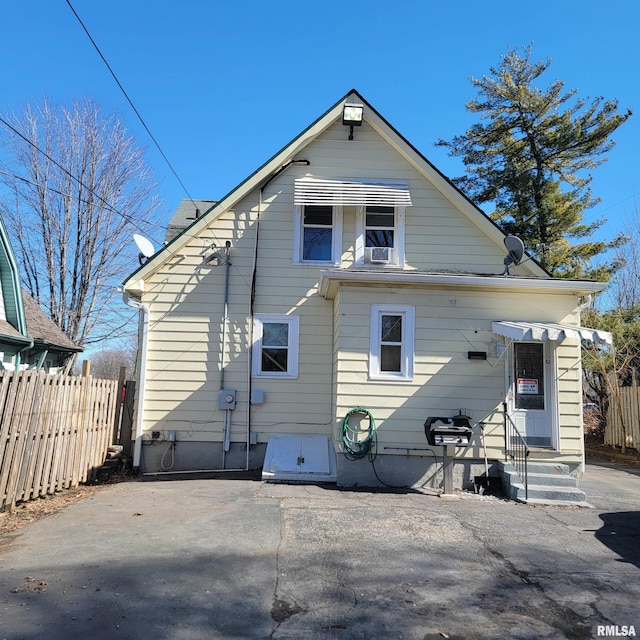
[293, 346]
[398, 234]
[408, 338]
[298, 237]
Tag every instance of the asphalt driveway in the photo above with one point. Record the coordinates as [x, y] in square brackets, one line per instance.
[238, 559]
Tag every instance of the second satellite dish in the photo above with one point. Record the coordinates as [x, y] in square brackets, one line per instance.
[144, 246]
[515, 248]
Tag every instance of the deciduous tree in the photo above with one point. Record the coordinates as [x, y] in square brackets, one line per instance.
[76, 185]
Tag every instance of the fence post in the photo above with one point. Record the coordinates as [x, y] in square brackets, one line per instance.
[119, 405]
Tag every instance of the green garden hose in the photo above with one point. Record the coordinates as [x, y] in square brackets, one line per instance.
[359, 442]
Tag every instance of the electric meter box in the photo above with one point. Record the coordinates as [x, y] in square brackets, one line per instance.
[227, 399]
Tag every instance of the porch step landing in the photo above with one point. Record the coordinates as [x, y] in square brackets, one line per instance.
[549, 483]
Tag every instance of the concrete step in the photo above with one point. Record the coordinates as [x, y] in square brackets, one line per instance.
[552, 468]
[550, 484]
[554, 480]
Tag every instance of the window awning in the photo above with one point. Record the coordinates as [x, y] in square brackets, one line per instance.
[548, 331]
[351, 192]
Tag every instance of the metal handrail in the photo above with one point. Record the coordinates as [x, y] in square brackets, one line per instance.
[516, 448]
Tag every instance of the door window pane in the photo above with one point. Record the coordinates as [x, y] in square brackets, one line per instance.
[529, 375]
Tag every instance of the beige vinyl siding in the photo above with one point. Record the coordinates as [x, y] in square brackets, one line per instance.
[447, 326]
[434, 228]
[186, 299]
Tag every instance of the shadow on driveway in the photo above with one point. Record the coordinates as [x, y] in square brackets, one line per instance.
[621, 533]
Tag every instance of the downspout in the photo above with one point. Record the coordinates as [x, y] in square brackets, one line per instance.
[142, 380]
[225, 320]
[584, 305]
[18, 358]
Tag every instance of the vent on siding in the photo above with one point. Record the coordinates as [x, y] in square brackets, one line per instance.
[351, 192]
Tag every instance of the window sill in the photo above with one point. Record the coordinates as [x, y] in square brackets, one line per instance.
[389, 378]
[273, 376]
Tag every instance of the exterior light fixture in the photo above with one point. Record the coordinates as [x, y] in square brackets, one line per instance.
[352, 116]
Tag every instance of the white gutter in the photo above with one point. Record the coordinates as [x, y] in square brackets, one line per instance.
[142, 381]
[330, 279]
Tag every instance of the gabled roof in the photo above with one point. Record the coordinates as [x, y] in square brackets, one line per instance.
[42, 329]
[184, 215]
[10, 290]
[291, 151]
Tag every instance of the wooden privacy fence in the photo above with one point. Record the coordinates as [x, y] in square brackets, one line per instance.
[54, 431]
[630, 404]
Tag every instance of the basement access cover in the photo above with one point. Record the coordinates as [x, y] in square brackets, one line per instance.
[300, 459]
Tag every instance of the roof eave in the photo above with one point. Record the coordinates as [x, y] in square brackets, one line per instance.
[332, 279]
[256, 180]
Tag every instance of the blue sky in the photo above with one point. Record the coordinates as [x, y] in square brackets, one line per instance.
[224, 85]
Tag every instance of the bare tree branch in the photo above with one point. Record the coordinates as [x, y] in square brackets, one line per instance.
[71, 210]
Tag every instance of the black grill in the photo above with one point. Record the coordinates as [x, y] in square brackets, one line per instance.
[446, 431]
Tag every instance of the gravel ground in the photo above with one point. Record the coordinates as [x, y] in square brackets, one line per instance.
[27, 512]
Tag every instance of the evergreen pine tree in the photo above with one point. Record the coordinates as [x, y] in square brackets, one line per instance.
[531, 155]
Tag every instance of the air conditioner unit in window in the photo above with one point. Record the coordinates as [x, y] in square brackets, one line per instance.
[380, 255]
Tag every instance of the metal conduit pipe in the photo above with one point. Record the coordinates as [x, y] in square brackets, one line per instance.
[254, 275]
[144, 309]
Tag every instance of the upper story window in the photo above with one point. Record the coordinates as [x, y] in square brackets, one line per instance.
[318, 234]
[380, 226]
[380, 235]
[380, 210]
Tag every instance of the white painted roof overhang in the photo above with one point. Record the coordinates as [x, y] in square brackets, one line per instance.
[548, 331]
[332, 279]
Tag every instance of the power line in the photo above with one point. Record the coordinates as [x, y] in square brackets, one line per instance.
[84, 186]
[144, 124]
[93, 192]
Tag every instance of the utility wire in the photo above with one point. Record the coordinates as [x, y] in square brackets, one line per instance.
[67, 172]
[92, 191]
[144, 124]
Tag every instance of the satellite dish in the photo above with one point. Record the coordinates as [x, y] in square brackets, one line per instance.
[515, 248]
[144, 246]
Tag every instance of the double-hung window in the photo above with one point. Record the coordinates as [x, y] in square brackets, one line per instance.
[275, 348]
[318, 234]
[380, 208]
[392, 342]
[380, 226]
[380, 235]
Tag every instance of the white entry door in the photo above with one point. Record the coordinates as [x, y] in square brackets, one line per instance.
[532, 393]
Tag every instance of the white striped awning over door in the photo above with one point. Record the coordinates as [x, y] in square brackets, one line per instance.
[548, 331]
[351, 192]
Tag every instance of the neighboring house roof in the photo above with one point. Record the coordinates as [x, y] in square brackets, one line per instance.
[8, 331]
[24, 320]
[10, 290]
[41, 328]
[187, 212]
